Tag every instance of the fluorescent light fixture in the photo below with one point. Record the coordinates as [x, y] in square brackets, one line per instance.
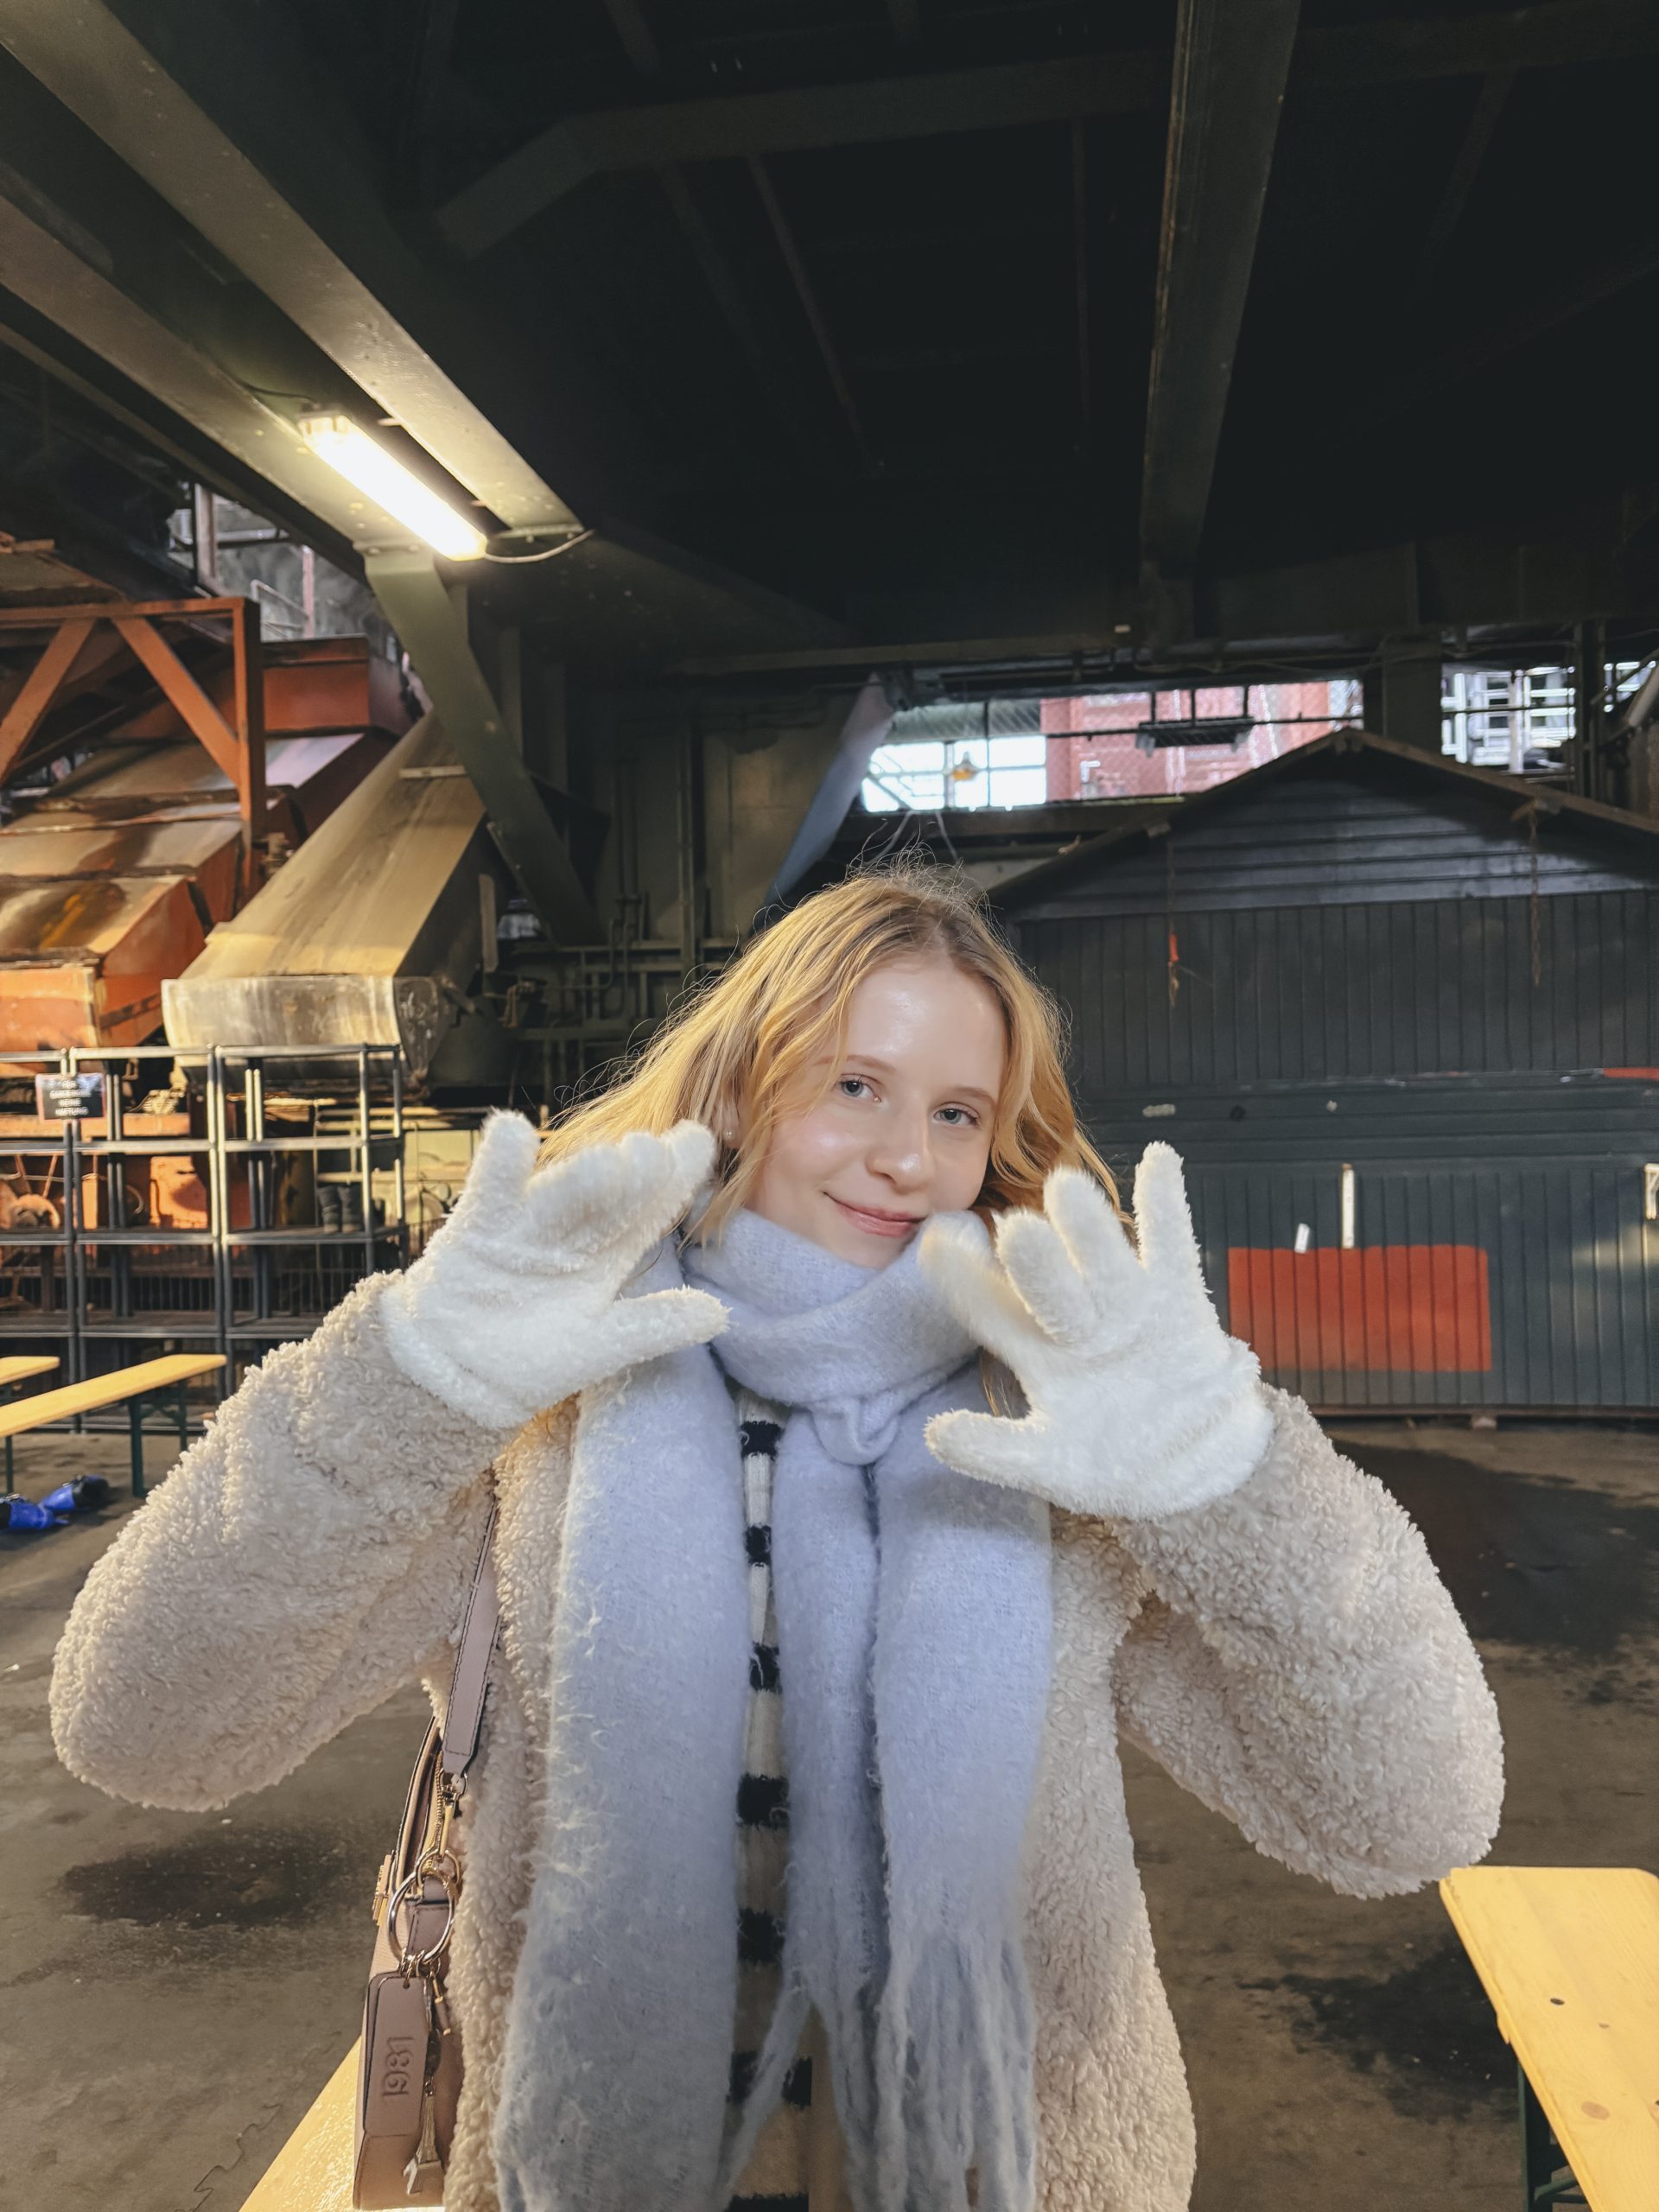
[351, 451]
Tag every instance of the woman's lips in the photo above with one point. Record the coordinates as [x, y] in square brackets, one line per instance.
[876, 1224]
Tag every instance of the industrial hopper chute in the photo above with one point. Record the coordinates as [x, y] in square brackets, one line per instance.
[368, 934]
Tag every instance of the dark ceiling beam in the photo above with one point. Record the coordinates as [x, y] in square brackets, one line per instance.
[910, 240]
[807, 119]
[580, 146]
[635, 36]
[1507, 582]
[728, 589]
[1489, 103]
[769, 372]
[638, 41]
[418, 43]
[1226, 96]
[251, 149]
[947, 354]
[1080, 268]
[812, 307]
[1579, 292]
[1554, 35]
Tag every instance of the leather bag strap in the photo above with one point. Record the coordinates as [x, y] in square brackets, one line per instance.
[463, 1715]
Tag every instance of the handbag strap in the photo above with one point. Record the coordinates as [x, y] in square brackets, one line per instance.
[463, 1714]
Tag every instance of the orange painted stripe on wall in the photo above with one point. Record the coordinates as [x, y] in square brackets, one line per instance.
[1415, 1309]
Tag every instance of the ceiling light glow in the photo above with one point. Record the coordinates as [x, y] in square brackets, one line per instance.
[356, 456]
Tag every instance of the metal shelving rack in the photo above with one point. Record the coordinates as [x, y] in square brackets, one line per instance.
[55, 1317]
[233, 1284]
[373, 1135]
[107, 1250]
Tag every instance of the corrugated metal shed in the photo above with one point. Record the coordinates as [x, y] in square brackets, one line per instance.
[1401, 1020]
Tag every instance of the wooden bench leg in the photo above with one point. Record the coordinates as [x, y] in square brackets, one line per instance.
[181, 1416]
[1548, 2178]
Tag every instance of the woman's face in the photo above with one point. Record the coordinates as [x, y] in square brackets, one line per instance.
[904, 1130]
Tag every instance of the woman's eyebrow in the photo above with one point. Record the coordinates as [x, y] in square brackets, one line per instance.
[885, 1067]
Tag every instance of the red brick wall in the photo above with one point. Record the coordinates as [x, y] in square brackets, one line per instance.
[1120, 770]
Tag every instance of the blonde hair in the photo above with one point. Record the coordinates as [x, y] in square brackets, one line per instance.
[729, 1053]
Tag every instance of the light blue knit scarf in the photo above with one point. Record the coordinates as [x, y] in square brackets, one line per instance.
[914, 1620]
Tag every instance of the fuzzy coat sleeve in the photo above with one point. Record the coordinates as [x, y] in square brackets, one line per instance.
[1299, 1666]
[308, 1555]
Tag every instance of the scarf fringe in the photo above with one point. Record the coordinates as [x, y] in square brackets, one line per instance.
[931, 2078]
[953, 2063]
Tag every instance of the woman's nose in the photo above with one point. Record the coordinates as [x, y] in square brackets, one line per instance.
[900, 1154]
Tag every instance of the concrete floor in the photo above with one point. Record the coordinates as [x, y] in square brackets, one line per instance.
[178, 1987]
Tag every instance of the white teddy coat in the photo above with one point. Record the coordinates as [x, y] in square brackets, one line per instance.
[1288, 1653]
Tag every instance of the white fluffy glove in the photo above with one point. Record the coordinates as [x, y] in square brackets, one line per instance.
[513, 1305]
[1139, 1404]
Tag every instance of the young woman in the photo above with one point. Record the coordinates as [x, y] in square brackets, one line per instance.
[859, 1479]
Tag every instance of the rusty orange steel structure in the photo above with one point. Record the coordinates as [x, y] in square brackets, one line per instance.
[236, 743]
[112, 877]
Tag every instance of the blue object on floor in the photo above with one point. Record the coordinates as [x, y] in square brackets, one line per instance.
[85, 1494]
[24, 1513]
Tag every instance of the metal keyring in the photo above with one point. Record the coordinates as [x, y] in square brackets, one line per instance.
[432, 1865]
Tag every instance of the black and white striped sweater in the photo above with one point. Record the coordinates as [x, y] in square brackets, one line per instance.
[775, 2178]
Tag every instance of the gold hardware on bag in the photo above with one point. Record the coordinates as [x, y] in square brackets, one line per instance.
[450, 1796]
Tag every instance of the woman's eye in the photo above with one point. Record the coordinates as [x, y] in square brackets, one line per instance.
[849, 1084]
[965, 1119]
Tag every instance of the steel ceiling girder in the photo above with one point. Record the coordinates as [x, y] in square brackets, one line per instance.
[49, 276]
[812, 117]
[231, 138]
[418, 606]
[579, 147]
[1226, 97]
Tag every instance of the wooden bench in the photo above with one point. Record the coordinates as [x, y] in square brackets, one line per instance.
[20, 1368]
[135, 1387]
[312, 2172]
[1569, 1956]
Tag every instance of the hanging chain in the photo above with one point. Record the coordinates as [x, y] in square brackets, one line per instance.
[1534, 917]
[1530, 813]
